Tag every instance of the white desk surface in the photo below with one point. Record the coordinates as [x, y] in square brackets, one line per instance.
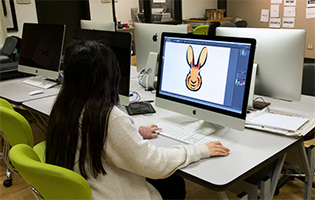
[17, 92]
[251, 150]
[42, 105]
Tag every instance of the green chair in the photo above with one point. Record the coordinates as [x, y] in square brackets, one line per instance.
[46, 180]
[4, 103]
[40, 149]
[14, 129]
[201, 30]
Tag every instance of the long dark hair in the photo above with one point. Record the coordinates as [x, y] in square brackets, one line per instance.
[89, 90]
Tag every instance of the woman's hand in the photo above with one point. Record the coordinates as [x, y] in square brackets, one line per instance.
[147, 132]
[217, 149]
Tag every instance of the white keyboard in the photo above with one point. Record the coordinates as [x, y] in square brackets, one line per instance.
[40, 82]
[183, 135]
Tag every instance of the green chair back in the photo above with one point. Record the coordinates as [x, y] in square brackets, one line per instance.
[48, 181]
[15, 127]
[201, 30]
[40, 150]
[4, 103]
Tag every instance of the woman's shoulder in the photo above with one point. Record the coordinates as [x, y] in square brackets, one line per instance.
[116, 112]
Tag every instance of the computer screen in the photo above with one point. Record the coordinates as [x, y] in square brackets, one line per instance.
[120, 43]
[207, 78]
[279, 55]
[97, 25]
[41, 49]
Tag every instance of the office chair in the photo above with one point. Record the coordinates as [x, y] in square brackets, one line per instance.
[40, 150]
[201, 30]
[14, 129]
[227, 24]
[7, 49]
[241, 23]
[45, 180]
[308, 83]
[212, 28]
[4, 103]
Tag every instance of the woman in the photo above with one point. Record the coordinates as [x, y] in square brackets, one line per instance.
[87, 133]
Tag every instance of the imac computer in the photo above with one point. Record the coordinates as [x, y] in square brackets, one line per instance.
[97, 25]
[279, 56]
[41, 49]
[120, 43]
[206, 77]
[147, 40]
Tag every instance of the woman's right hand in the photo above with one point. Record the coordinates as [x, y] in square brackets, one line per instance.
[217, 149]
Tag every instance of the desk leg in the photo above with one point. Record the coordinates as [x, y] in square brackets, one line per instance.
[42, 122]
[242, 196]
[268, 185]
[222, 196]
[300, 161]
[310, 177]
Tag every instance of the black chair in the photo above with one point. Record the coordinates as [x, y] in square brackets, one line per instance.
[241, 23]
[212, 27]
[308, 83]
[7, 49]
[228, 24]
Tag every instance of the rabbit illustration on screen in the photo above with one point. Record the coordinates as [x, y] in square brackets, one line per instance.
[193, 79]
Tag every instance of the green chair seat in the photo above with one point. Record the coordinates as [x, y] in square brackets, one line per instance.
[48, 181]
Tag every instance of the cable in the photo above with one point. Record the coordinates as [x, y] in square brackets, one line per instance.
[137, 99]
[263, 101]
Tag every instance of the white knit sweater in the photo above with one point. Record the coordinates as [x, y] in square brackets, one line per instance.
[129, 159]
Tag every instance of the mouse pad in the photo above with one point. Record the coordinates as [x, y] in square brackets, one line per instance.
[140, 108]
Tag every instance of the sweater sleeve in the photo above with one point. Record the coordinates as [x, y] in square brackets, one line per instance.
[126, 149]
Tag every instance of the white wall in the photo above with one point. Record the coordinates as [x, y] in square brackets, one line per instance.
[100, 11]
[122, 8]
[196, 8]
[24, 13]
[103, 11]
[191, 8]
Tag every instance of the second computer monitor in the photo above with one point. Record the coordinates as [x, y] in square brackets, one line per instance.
[280, 57]
[120, 43]
[41, 49]
[148, 38]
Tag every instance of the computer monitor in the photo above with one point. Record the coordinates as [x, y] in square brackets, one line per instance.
[41, 49]
[206, 77]
[120, 43]
[279, 55]
[148, 39]
[97, 25]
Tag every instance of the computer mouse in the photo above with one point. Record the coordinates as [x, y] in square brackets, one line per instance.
[36, 92]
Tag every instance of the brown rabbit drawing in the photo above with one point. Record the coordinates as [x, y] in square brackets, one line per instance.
[193, 79]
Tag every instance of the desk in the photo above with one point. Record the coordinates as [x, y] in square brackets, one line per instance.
[17, 92]
[251, 150]
[254, 154]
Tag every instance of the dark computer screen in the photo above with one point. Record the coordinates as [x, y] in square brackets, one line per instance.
[41, 46]
[120, 43]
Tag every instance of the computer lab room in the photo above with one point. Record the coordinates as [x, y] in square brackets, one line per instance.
[157, 99]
